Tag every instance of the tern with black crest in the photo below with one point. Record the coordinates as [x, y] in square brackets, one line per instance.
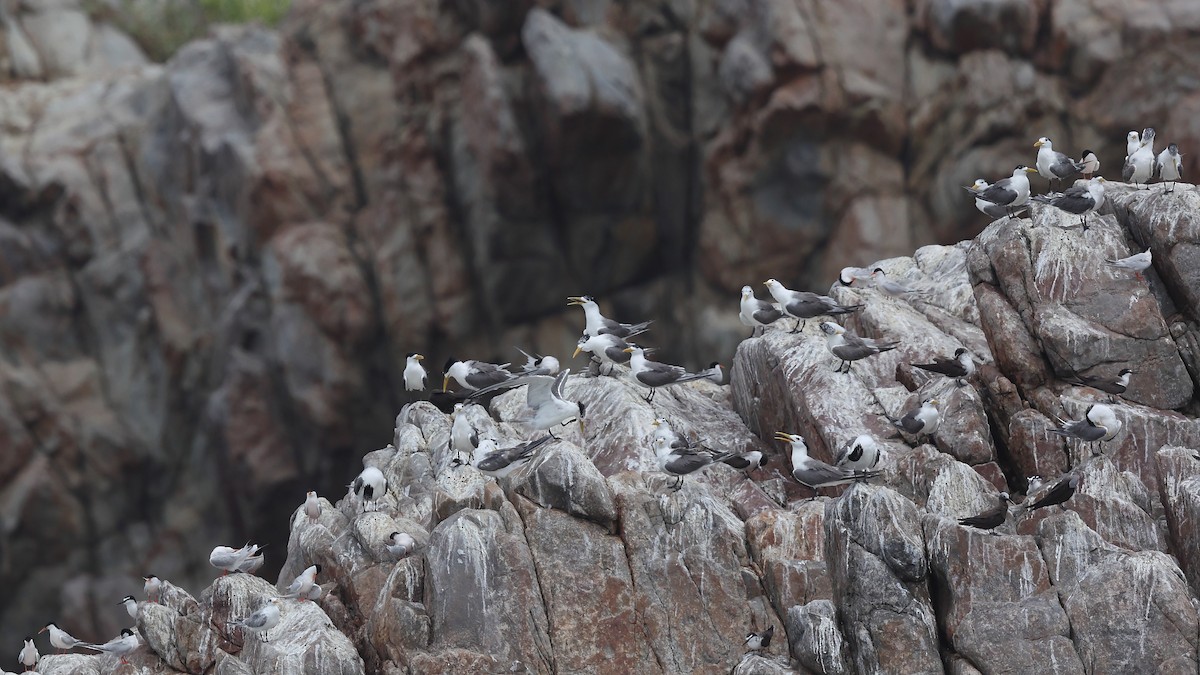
[849, 347]
[1054, 165]
[369, 487]
[500, 462]
[229, 559]
[1109, 385]
[1079, 199]
[757, 313]
[861, 454]
[653, 374]
[960, 366]
[473, 374]
[1009, 193]
[803, 305]
[598, 324]
[1063, 490]
[813, 473]
[121, 646]
[607, 349]
[1169, 166]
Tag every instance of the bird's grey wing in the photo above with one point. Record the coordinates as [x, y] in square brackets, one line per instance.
[1127, 169]
[256, 620]
[659, 374]
[843, 454]
[540, 392]
[556, 389]
[1063, 166]
[1073, 201]
[911, 423]
[616, 354]
[820, 473]
[852, 352]
[687, 463]
[765, 312]
[1000, 192]
[483, 377]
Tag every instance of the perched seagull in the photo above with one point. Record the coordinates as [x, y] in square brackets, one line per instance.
[923, 421]
[990, 519]
[604, 348]
[1169, 165]
[414, 373]
[849, 347]
[463, 437]
[1138, 262]
[1061, 492]
[152, 588]
[550, 407]
[1054, 165]
[598, 324]
[400, 544]
[303, 583]
[312, 506]
[61, 639]
[850, 275]
[1009, 192]
[960, 366]
[861, 454]
[757, 313]
[653, 374]
[499, 462]
[893, 288]
[680, 463]
[1109, 385]
[229, 559]
[1099, 423]
[130, 605]
[538, 365]
[803, 305]
[29, 654]
[993, 211]
[369, 486]
[1078, 199]
[1091, 164]
[1139, 166]
[813, 473]
[473, 374]
[759, 641]
[121, 646]
[262, 620]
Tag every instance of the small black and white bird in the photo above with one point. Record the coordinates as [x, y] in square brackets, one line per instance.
[598, 324]
[849, 347]
[1054, 165]
[757, 313]
[813, 473]
[1137, 263]
[1079, 199]
[1009, 193]
[123, 645]
[803, 305]
[681, 462]
[990, 519]
[662, 429]
[61, 639]
[1169, 165]
[472, 375]
[1109, 385]
[29, 654]
[152, 588]
[857, 276]
[921, 421]
[744, 461]
[607, 349]
[303, 583]
[1063, 490]
[229, 559]
[312, 506]
[370, 486]
[960, 366]
[1099, 424]
[130, 605]
[262, 620]
[861, 454]
[758, 641]
[1091, 164]
[414, 373]
[881, 282]
[653, 374]
[538, 365]
[400, 544]
[499, 462]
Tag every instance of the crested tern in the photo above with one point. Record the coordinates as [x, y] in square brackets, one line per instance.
[1169, 165]
[414, 373]
[1054, 165]
[653, 374]
[757, 313]
[849, 347]
[1078, 199]
[500, 462]
[803, 305]
[598, 324]
[1011, 192]
[960, 366]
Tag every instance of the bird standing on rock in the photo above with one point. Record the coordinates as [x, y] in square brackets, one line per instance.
[960, 366]
[130, 604]
[758, 641]
[1063, 490]
[1009, 193]
[1078, 199]
[1137, 263]
[653, 374]
[861, 454]
[1054, 165]
[312, 506]
[414, 373]
[229, 559]
[400, 544]
[803, 305]
[152, 588]
[29, 654]
[990, 519]
[813, 473]
[121, 646]
[369, 486]
[922, 421]
[757, 313]
[262, 620]
[849, 347]
[1169, 165]
[61, 639]
[303, 583]
[598, 324]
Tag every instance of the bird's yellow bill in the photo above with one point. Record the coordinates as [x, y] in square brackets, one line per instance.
[575, 301]
[1030, 169]
[445, 382]
[577, 350]
[628, 350]
[783, 436]
[1038, 144]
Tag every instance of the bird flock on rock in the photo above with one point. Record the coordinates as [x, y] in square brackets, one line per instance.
[612, 353]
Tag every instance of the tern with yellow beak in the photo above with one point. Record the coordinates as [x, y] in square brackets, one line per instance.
[1011, 192]
[598, 324]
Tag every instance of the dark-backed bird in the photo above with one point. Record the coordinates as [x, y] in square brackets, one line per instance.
[653, 374]
[122, 646]
[744, 461]
[923, 420]
[1137, 263]
[1079, 199]
[1010, 192]
[598, 324]
[1169, 165]
[990, 519]
[849, 347]
[1110, 385]
[854, 276]
[370, 486]
[813, 473]
[861, 454]
[499, 462]
[680, 463]
[1091, 164]
[881, 282]
[1099, 423]
[803, 305]
[605, 348]
[414, 373]
[473, 374]
[759, 641]
[993, 211]
[960, 366]
[1061, 492]
[1139, 165]
[262, 620]
[1054, 165]
[757, 313]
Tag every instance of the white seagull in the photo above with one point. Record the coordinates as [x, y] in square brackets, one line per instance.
[849, 347]
[1079, 199]
[312, 506]
[1136, 263]
[757, 313]
[262, 620]
[463, 437]
[1139, 166]
[1009, 193]
[152, 588]
[303, 583]
[400, 544]
[1133, 141]
[598, 324]
[1054, 165]
[1169, 165]
[369, 486]
[605, 348]
[229, 559]
[803, 305]
[414, 373]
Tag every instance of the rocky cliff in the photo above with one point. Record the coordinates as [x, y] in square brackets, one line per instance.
[585, 561]
[210, 268]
